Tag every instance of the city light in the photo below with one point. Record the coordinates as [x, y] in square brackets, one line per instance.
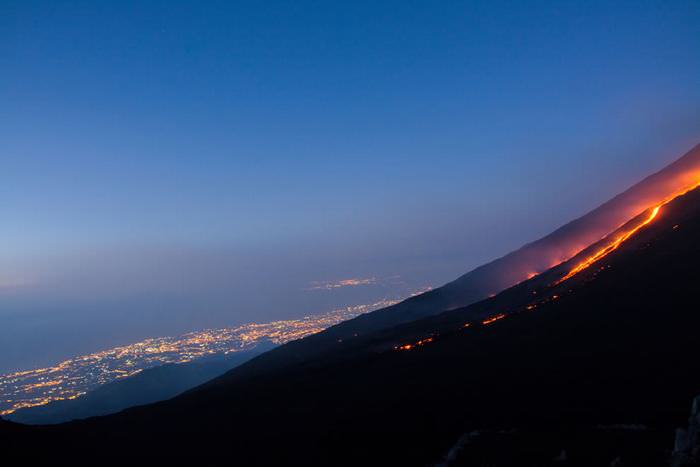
[74, 377]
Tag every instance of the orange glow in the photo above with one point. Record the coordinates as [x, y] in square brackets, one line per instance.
[613, 241]
[620, 239]
[420, 343]
[493, 319]
[606, 250]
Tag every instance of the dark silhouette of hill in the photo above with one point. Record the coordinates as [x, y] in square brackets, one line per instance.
[151, 385]
[599, 372]
[515, 267]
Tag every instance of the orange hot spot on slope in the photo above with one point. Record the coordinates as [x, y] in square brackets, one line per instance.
[493, 319]
[419, 343]
[619, 240]
[612, 246]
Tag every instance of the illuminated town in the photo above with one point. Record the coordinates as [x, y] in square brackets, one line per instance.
[72, 378]
[330, 285]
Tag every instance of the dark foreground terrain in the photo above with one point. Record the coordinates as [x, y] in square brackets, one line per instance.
[596, 371]
[149, 386]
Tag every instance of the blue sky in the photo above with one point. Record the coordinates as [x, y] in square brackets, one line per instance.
[167, 166]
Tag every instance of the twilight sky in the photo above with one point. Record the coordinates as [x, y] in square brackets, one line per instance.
[170, 166]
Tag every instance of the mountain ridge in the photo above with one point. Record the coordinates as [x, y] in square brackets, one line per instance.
[612, 347]
[575, 374]
[481, 282]
[510, 269]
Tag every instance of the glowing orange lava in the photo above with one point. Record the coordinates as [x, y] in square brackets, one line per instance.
[420, 343]
[609, 247]
[612, 246]
[493, 319]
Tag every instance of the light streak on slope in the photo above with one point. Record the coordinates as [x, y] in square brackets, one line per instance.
[493, 319]
[617, 241]
[610, 247]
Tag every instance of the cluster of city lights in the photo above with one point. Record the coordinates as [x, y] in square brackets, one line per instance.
[74, 377]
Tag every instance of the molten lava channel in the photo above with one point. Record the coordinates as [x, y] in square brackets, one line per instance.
[610, 247]
[621, 238]
[612, 244]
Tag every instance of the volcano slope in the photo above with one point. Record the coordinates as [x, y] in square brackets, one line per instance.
[535, 257]
[513, 268]
[595, 370]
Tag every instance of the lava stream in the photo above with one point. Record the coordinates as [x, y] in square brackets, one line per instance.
[619, 240]
[608, 248]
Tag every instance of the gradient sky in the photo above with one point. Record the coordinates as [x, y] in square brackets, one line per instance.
[169, 166]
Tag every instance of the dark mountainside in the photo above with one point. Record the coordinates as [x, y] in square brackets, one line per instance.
[151, 385]
[600, 372]
[539, 255]
[511, 269]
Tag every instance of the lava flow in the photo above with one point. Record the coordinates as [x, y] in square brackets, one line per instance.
[493, 319]
[612, 246]
[609, 247]
[420, 343]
